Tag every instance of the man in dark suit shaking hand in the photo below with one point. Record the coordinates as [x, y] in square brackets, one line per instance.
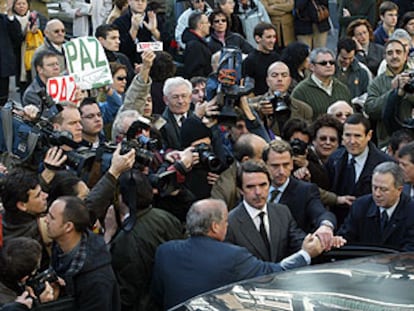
[185, 268]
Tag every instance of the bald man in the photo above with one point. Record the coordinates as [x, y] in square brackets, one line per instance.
[54, 40]
[278, 79]
[340, 110]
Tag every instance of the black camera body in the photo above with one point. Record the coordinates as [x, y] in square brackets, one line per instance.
[165, 182]
[409, 87]
[298, 146]
[279, 103]
[38, 281]
[142, 156]
[207, 158]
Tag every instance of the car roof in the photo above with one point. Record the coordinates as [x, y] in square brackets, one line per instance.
[383, 282]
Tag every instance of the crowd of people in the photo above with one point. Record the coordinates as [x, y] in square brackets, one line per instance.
[245, 147]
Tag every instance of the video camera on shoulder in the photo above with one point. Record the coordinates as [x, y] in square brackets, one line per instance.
[226, 84]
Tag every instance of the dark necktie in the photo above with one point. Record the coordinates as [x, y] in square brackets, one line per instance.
[273, 195]
[384, 220]
[263, 232]
[182, 119]
[349, 177]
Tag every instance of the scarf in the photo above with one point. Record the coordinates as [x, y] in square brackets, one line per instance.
[24, 21]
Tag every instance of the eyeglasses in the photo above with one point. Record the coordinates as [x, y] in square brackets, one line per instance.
[325, 62]
[341, 114]
[220, 21]
[59, 30]
[92, 115]
[121, 78]
[330, 138]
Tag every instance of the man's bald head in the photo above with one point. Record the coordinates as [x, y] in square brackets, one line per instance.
[55, 31]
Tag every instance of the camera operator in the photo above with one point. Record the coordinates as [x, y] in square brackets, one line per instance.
[276, 106]
[398, 110]
[133, 250]
[69, 119]
[203, 175]
[18, 262]
[167, 173]
[101, 195]
[46, 63]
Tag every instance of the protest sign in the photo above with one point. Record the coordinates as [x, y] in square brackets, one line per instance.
[62, 88]
[86, 60]
[154, 46]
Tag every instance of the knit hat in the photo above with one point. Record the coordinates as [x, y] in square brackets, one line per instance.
[193, 129]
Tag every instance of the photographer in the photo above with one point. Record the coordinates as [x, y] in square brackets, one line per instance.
[203, 175]
[101, 195]
[18, 262]
[167, 169]
[133, 248]
[385, 84]
[276, 106]
[398, 110]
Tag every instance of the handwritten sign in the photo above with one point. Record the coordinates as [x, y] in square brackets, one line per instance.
[86, 60]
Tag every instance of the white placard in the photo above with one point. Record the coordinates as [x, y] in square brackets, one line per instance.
[62, 88]
[154, 46]
[86, 60]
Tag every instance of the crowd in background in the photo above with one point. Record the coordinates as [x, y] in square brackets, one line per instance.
[245, 147]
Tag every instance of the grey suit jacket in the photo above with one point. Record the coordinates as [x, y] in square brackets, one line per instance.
[285, 235]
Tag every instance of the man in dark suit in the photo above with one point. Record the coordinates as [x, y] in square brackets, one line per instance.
[385, 217]
[301, 197]
[177, 97]
[267, 230]
[350, 167]
[406, 161]
[185, 268]
[283, 236]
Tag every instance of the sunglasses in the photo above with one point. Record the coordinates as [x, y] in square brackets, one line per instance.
[121, 78]
[331, 138]
[341, 114]
[219, 21]
[326, 62]
[198, 1]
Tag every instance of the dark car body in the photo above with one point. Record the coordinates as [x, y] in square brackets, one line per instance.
[384, 282]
